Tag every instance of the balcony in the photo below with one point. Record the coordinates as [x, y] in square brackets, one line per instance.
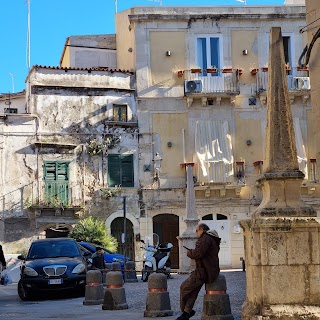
[211, 86]
[50, 199]
[298, 85]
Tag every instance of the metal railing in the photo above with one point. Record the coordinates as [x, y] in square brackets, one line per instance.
[53, 194]
[214, 82]
[297, 82]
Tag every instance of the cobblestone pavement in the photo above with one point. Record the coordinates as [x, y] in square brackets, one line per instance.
[12, 308]
[236, 284]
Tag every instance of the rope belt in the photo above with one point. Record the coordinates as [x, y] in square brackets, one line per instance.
[215, 292]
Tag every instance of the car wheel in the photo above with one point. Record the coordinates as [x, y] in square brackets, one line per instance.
[23, 294]
[146, 271]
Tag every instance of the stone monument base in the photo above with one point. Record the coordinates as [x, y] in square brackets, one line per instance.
[282, 257]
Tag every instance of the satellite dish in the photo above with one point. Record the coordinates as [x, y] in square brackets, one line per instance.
[191, 86]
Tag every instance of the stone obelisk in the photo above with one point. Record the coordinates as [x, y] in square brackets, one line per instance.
[282, 238]
[188, 238]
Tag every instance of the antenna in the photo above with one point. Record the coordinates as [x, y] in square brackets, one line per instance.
[116, 5]
[243, 1]
[160, 1]
[11, 74]
[28, 36]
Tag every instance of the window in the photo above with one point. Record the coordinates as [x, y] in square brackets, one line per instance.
[120, 170]
[287, 51]
[208, 53]
[120, 113]
[56, 182]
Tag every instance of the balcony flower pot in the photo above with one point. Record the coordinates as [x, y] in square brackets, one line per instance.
[239, 71]
[227, 70]
[264, 69]
[212, 70]
[254, 71]
[196, 70]
[180, 73]
[302, 68]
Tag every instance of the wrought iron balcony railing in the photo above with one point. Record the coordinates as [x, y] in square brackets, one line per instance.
[211, 83]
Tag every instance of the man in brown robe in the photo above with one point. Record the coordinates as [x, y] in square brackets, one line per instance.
[207, 269]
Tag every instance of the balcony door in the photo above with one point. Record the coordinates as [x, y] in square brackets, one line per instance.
[56, 182]
[208, 54]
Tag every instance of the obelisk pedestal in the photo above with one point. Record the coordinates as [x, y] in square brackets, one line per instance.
[282, 239]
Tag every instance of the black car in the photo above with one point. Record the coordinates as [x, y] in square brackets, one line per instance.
[52, 265]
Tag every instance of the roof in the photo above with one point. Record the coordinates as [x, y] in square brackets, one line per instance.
[82, 69]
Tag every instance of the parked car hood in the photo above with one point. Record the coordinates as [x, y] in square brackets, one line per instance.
[40, 263]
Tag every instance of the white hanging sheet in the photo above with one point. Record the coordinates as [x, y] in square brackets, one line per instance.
[214, 150]
[301, 151]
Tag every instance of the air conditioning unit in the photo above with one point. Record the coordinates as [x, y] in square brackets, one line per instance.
[302, 83]
[193, 86]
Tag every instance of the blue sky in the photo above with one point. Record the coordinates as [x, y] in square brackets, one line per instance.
[52, 21]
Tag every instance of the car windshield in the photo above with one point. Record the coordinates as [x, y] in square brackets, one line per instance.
[53, 249]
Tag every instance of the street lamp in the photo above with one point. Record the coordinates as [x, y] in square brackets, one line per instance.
[157, 165]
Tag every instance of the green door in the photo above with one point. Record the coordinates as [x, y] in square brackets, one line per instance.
[56, 178]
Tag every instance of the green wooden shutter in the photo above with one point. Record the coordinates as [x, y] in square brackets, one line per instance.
[114, 170]
[127, 170]
[56, 176]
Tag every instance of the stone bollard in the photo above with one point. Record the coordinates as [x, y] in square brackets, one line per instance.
[158, 300]
[114, 295]
[109, 267]
[116, 266]
[130, 273]
[94, 288]
[216, 303]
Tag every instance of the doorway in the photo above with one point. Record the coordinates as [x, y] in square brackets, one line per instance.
[117, 231]
[167, 228]
[221, 224]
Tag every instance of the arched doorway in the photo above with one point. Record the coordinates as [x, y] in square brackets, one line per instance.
[167, 228]
[221, 224]
[59, 232]
[117, 231]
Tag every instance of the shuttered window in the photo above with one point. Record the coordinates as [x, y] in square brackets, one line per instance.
[56, 178]
[120, 170]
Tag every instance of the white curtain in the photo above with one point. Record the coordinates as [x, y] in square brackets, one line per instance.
[301, 151]
[214, 150]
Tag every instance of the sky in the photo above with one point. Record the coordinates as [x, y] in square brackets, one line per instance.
[52, 21]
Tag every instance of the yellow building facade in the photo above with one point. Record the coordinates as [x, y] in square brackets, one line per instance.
[201, 80]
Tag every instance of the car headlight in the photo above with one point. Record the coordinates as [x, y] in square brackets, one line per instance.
[79, 268]
[30, 272]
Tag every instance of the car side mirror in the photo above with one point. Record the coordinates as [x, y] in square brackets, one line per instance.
[87, 254]
[21, 257]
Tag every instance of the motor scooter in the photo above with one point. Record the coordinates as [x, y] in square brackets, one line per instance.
[156, 258]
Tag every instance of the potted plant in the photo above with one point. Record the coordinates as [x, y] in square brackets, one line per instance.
[180, 73]
[227, 70]
[239, 71]
[254, 71]
[303, 68]
[196, 70]
[212, 69]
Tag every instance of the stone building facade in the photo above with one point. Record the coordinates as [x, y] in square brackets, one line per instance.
[212, 120]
